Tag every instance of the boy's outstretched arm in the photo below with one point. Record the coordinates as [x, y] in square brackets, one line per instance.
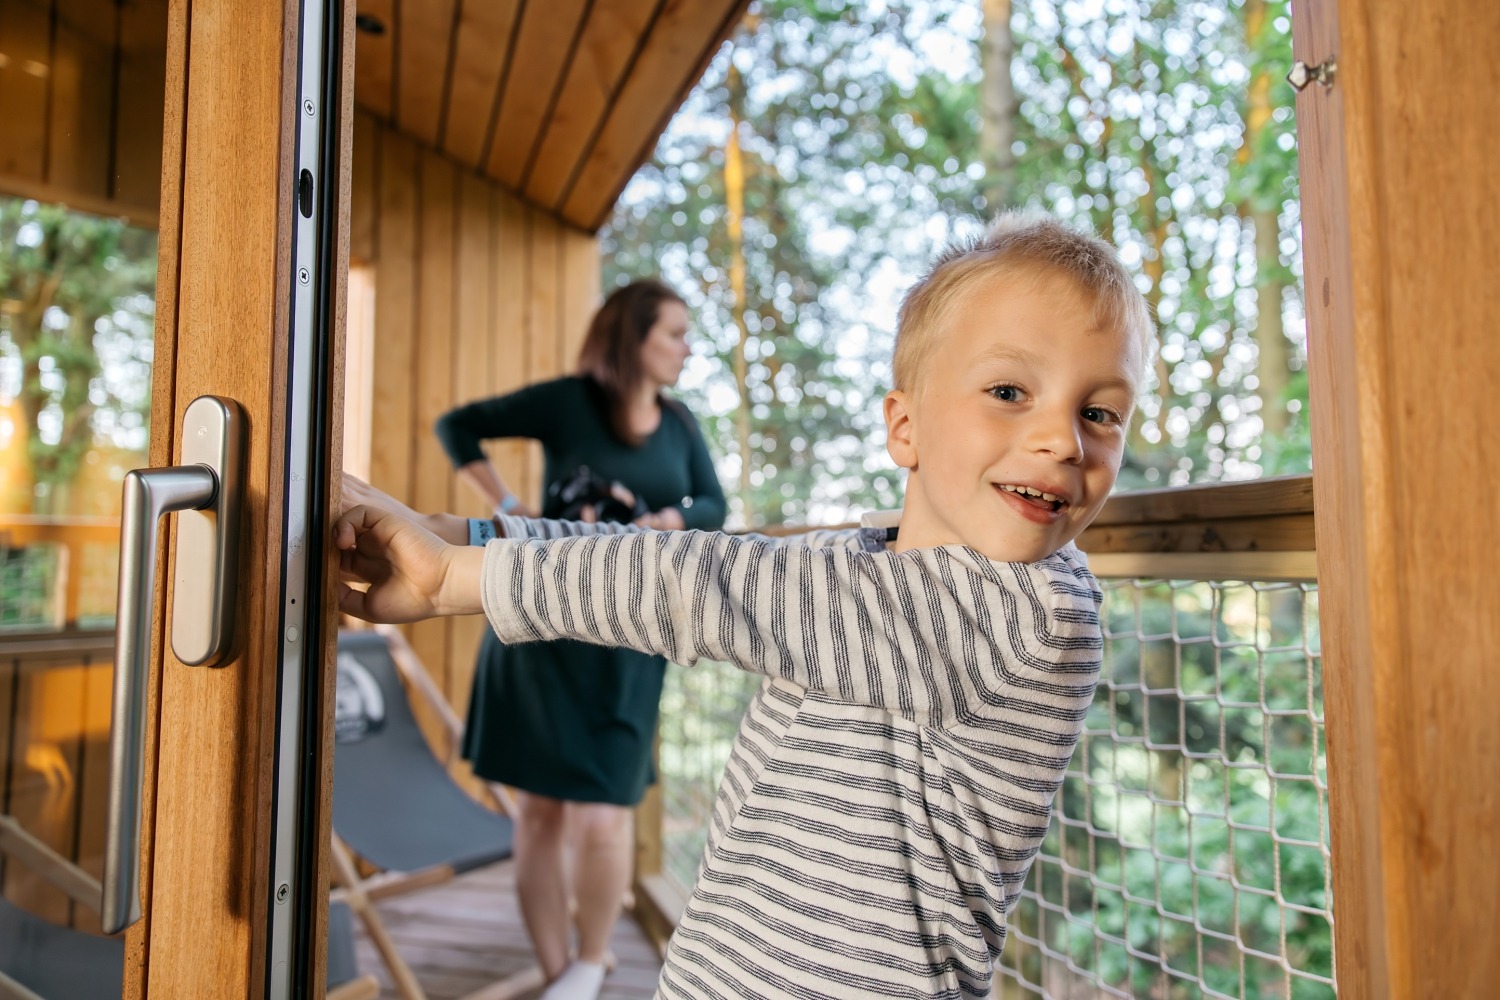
[918, 633]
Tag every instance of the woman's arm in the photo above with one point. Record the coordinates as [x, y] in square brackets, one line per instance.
[462, 430]
[704, 507]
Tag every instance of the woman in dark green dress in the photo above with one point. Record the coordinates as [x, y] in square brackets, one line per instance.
[570, 726]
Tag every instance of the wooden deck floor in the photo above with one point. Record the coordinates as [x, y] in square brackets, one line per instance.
[464, 935]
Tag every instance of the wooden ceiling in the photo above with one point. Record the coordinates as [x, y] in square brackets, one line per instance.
[557, 100]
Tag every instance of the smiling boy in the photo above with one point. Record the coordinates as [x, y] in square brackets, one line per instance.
[891, 782]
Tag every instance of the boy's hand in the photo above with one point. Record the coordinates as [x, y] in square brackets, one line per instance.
[449, 527]
[412, 573]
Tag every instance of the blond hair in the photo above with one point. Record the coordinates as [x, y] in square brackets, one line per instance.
[1018, 242]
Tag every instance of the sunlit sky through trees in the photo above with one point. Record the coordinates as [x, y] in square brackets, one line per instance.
[1165, 126]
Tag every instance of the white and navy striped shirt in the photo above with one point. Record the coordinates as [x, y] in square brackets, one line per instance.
[890, 783]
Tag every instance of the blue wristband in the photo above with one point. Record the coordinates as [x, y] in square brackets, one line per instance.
[508, 503]
[481, 530]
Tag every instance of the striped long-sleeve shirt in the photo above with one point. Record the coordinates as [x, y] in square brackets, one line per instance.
[890, 783]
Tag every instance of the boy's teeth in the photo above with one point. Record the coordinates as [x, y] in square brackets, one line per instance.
[1028, 491]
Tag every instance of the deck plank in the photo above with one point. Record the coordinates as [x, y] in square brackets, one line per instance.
[464, 935]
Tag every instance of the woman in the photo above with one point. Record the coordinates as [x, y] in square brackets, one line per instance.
[571, 726]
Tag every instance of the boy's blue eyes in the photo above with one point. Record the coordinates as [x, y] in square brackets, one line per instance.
[1015, 394]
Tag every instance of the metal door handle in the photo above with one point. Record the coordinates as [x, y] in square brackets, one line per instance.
[208, 483]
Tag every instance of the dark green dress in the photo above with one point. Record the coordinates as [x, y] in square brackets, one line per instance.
[570, 720]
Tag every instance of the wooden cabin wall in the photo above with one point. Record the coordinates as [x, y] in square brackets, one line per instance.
[81, 93]
[475, 294]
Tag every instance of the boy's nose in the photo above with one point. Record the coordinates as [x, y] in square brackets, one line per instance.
[1057, 435]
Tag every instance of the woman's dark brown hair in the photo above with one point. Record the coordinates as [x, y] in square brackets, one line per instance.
[611, 353]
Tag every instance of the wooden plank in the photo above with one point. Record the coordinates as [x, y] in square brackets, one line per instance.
[1212, 501]
[173, 152]
[543, 318]
[683, 39]
[364, 189]
[395, 317]
[44, 773]
[509, 364]
[1400, 295]
[215, 750]
[582, 274]
[545, 43]
[93, 779]
[611, 41]
[1290, 533]
[137, 176]
[374, 60]
[433, 484]
[25, 78]
[422, 64]
[470, 382]
[78, 133]
[481, 54]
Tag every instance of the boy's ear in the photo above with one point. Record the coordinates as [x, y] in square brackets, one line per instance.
[900, 429]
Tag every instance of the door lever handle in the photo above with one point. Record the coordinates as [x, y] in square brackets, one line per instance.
[207, 488]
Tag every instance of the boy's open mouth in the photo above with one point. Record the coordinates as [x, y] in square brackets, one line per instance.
[1039, 499]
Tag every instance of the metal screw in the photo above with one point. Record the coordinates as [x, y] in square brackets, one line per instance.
[307, 106]
[1302, 74]
[303, 275]
[282, 892]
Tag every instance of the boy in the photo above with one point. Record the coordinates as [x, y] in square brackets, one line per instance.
[891, 782]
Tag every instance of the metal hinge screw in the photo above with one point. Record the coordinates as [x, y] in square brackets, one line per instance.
[282, 892]
[1302, 74]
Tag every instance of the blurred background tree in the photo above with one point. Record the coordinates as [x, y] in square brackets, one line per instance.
[835, 146]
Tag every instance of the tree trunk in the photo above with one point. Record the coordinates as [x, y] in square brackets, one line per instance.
[997, 108]
[1270, 285]
[734, 211]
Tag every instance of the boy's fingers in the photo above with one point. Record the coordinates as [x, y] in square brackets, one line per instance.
[352, 602]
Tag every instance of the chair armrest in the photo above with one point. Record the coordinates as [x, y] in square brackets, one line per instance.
[78, 884]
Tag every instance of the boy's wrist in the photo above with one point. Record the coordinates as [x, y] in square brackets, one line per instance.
[459, 593]
[449, 527]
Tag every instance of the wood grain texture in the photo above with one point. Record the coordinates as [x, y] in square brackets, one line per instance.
[611, 40]
[424, 49]
[395, 314]
[546, 42]
[364, 190]
[482, 49]
[374, 60]
[1253, 498]
[25, 38]
[684, 37]
[210, 845]
[510, 358]
[1400, 299]
[433, 480]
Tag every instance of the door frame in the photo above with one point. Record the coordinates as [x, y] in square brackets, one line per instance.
[223, 327]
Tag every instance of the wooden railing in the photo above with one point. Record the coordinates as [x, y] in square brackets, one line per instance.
[1166, 559]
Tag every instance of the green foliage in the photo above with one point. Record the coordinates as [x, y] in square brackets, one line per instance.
[76, 313]
[860, 126]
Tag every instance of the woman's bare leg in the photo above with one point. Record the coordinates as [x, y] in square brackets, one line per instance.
[542, 878]
[601, 869]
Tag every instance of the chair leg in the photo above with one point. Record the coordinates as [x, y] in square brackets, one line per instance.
[12, 990]
[511, 986]
[344, 874]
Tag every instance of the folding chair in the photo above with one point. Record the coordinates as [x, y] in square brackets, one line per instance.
[41, 961]
[396, 807]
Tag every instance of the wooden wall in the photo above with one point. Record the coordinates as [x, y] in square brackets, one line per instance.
[474, 294]
[81, 92]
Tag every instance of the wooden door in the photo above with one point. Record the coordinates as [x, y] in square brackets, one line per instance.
[1398, 152]
[231, 260]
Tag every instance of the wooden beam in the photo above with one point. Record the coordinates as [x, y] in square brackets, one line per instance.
[612, 40]
[545, 43]
[424, 49]
[1403, 363]
[481, 54]
[684, 37]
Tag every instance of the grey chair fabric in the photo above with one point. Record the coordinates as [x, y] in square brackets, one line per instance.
[394, 803]
[59, 963]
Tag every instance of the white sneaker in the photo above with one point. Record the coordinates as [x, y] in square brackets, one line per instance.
[579, 981]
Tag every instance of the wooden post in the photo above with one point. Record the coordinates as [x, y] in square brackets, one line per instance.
[1397, 159]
